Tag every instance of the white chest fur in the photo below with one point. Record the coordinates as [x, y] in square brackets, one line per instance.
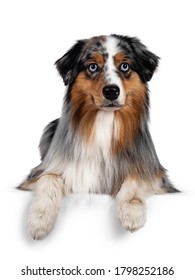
[90, 170]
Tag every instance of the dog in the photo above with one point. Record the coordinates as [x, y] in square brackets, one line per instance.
[101, 144]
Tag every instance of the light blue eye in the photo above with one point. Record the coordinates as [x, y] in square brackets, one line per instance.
[124, 67]
[93, 67]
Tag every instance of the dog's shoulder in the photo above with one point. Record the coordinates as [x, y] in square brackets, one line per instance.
[47, 137]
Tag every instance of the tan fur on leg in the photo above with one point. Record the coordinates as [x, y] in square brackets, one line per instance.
[44, 209]
[131, 205]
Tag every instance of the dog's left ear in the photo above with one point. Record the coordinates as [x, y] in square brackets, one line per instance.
[68, 65]
[145, 61]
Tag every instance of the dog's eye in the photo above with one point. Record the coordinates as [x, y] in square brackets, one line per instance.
[93, 67]
[124, 67]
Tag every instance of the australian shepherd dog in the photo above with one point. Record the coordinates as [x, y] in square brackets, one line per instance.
[101, 144]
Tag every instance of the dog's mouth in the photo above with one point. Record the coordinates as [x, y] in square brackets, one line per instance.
[108, 105]
[111, 106]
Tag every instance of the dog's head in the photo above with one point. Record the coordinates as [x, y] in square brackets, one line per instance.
[108, 70]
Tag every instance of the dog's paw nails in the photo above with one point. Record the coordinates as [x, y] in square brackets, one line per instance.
[37, 233]
[132, 215]
[39, 227]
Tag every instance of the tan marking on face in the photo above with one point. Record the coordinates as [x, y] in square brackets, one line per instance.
[119, 58]
[91, 84]
[129, 116]
[96, 58]
[83, 93]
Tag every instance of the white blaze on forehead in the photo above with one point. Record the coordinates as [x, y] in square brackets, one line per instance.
[111, 50]
[111, 76]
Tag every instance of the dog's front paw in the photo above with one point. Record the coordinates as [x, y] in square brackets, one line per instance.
[132, 214]
[40, 224]
[45, 206]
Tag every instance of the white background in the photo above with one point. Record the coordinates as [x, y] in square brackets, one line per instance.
[33, 35]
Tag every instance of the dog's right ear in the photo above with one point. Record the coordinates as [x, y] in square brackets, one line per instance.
[68, 65]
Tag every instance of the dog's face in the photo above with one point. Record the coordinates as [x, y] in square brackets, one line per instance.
[107, 71]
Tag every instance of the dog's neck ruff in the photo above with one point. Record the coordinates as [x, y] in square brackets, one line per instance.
[90, 169]
[104, 130]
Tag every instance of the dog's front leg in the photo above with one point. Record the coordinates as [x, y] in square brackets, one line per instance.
[45, 206]
[131, 205]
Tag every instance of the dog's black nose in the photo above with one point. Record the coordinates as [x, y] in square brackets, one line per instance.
[111, 92]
